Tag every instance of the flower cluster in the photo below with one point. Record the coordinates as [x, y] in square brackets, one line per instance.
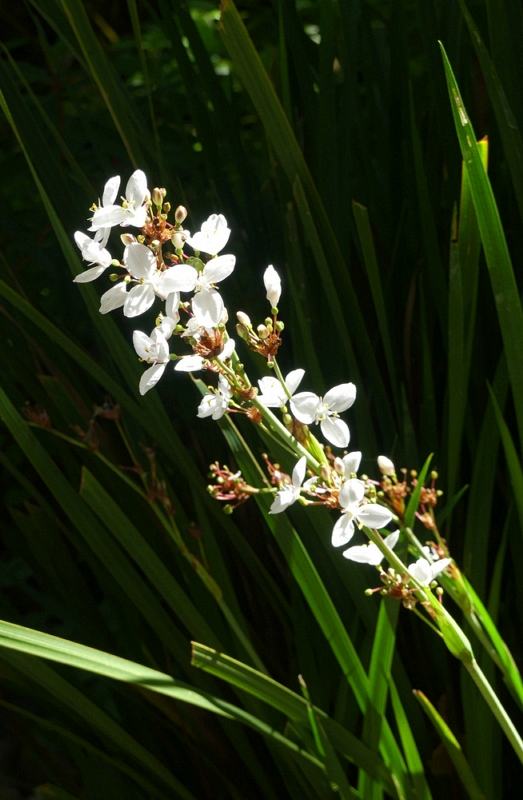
[155, 265]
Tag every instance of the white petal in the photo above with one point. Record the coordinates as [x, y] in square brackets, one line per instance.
[139, 260]
[189, 364]
[351, 493]
[228, 350]
[304, 406]
[142, 344]
[89, 275]
[102, 236]
[113, 298]
[136, 217]
[111, 190]
[365, 554]
[351, 462]
[207, 307]
[392, 539]
[151, 377]
[213, 236]
[177, 279]
[208, 406]
[272, 283]
[136, 188]
[373, 516]
[166, 327]
[139, 299]
[224, 386]
[272, 393]
[298, 473]
[219, 268]
[285, 498]
[172, 305]
[294, 379]
[343, 531]
[341, 397]
[107, 217]
[336, 431]
[421, 571]
[439, 566]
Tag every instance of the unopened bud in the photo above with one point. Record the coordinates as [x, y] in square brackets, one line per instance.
[244, 319]
[115, 263]
[434, 475]
[157, 196]
[280, 325]
[113, 277]
[325, 472]
[287, 419]
[386, 466]
[166, 207]
[339, 466]
[127, 238]
[272, 283]
[242, 333]
[268, 322]
[368, 592]
[178, 239]
[180, 214]
[127, 279]
[155, 243]
[228, 509]
[263, 331]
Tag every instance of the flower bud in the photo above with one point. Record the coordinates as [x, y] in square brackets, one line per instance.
[242, 333]
[263, 331]
[386, 466]
[228, 509]
[280, 325]
[180, 214]
[115, 263]
[272, 283]
[339, 466]
[178, 239]
[244, 319]
[157, 196]
[325, 472]
[166, 207]
[127, 238]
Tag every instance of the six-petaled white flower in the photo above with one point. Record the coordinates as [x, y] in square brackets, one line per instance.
[424, 572]
[212, 237]
[370, 553]
[154, 350]
[207, 303]
[308, 408]
[272, 283]
[273, 395]
[289, 493]
[216, 403]
[131, 212]
[141, 264]
[351, 495]
[94, 253]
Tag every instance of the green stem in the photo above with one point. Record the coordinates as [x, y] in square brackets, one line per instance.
[279, 428]
[277, 370]
[495, 706]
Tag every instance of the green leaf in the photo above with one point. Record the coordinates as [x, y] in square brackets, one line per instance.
[504, 287]
[452, 747]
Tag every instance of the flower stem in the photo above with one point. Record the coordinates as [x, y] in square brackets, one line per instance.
[277, 370]
[496, 707]
[279, 428]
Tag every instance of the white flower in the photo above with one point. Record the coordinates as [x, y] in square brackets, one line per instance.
[370, 553]
[272, 283]
[194, 363]
[273, 394]
[141, 264]
[131, 212]
[216, 403]
[370, 514]
[207, 303]
[288, 494]
[386, 466]
[308, 408]
[154, 350]
[424, 572]
[93, 253]
[212, 237]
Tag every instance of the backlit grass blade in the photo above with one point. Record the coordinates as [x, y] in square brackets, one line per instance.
[504, 287]
[514, 464]
[379, 679]
[465, 250]
[507, 124]
[452, 747]
[291, 704]
[412, 506]
[410, 748]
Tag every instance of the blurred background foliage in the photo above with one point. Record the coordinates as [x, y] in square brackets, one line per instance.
[100, 88]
